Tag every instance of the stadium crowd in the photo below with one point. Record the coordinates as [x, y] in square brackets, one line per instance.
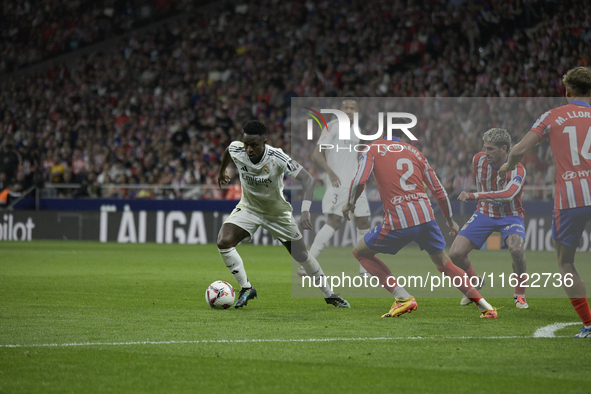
[35, 30]
[161, 106]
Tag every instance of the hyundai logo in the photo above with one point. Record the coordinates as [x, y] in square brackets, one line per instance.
[397, 200]
[567, 176]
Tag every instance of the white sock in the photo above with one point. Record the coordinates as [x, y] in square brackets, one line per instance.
[360, 235]
[235, 265]
[484, 306]
[321, 240]
[314, 270]
[400, 293]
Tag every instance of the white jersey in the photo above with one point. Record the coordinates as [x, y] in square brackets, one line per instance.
[342, 158]
[262, 183]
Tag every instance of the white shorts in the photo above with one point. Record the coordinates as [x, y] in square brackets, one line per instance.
[335, 199]
[283, 228]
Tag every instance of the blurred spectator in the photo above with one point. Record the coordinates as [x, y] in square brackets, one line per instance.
[4, 190]
[108, 189]
[462, 181]
[37, 30]
[69, 189]
[9, 160]
[89, 186]
[234, 190]
[21, 184]
[3, 180]
[57, 169]
[178, 184]
[104, 176]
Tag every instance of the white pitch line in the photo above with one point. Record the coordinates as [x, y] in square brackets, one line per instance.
[548, 331]
[208, 341]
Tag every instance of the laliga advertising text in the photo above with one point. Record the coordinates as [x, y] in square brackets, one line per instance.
[535, 280]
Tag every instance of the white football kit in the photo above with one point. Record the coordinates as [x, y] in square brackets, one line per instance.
[342, 159]
[262, 203]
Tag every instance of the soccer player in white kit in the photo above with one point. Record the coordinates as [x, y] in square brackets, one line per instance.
[261, 168]
[340, 165]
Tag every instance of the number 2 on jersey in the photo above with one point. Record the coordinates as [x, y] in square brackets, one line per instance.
[574, 147]
[406, 175]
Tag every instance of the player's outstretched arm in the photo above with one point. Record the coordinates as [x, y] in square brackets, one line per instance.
[223, 178]
[308, 191]
[507, 194]
[525, 145]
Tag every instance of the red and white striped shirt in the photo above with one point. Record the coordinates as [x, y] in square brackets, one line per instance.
[498, 198]
[569, 130]
[401, 171]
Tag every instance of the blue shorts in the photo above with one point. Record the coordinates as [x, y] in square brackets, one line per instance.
[479, 227]
[568, 225]
[427, 235]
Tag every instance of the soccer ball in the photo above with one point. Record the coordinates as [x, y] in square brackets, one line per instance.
[219, 295]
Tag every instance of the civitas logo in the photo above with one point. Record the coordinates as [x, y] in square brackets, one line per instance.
[567, 176]
[345, 124]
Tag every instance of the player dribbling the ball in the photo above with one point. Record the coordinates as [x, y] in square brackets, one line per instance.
[261, 169]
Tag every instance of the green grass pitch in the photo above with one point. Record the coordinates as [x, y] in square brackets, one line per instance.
[81, 317]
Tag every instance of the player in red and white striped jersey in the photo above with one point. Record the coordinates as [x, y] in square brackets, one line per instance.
[497, 198]
[499, 209]
[401, 171]
[569, 130]
[406, 203]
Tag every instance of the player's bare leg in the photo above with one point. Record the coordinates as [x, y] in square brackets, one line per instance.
[299, 252]
[566, 263]
[445, 265]
[229, 236]
[458, 253]
[516, 245]
[404, 302]
[577, 292]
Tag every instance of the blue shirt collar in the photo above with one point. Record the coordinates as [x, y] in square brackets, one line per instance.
[581, 103]
[396, 139]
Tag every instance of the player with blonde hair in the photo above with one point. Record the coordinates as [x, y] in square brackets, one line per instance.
[569, 130]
